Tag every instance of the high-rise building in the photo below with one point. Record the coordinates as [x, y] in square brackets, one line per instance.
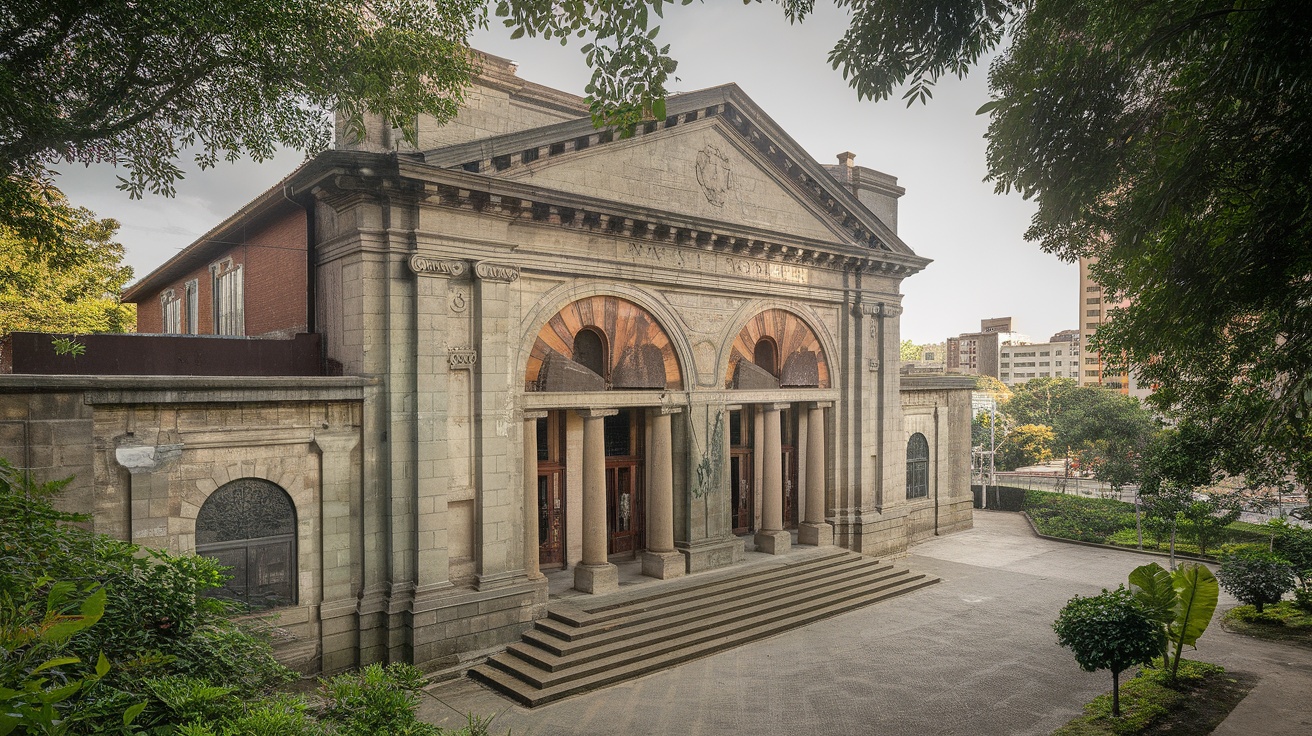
[1094, 311]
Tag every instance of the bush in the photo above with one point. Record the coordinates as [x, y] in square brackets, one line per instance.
[1107, 632]
[1256, 577]
[1081, 519]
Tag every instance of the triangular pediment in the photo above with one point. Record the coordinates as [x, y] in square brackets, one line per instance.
[701, 170]
[752, 172]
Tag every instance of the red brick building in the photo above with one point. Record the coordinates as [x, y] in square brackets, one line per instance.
[246, 277]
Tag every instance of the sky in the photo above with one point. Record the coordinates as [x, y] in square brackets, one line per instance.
[982, 265]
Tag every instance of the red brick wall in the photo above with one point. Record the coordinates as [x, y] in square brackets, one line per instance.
[272, 257]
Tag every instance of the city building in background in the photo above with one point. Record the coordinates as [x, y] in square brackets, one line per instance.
[978, 353]
[1057, 358]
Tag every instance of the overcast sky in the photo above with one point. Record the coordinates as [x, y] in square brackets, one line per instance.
[982, 265]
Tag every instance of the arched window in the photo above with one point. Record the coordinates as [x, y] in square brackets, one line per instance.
[250, 525]
[590, 351]
[763, 355]
[917, 466]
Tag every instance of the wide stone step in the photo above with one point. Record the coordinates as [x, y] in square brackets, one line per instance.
[655, 641]
[685, 604]
[589, 613]
[613, 640]
[701, 612]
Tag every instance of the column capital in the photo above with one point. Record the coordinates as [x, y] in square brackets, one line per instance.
[533, 414]
[776, 406]
[821, 405]
[335, 441]
[670, 409]
[597, 413]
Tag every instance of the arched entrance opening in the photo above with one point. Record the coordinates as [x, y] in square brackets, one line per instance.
[592, 346]
[249, 525]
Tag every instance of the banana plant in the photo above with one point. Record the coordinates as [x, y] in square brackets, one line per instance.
[1181, 602]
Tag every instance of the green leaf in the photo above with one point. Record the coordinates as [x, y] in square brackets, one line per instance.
[56, 662]
[132, 712]
[1197, 591]
[102, 665]
[658, 109]
[1154, 590]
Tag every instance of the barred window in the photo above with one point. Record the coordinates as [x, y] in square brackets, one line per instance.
[249, 524]
[917, 466]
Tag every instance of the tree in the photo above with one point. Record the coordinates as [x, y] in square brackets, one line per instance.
[138, 84]
[79, 295]
[992, 386]
[1027, 444]
[1083, 416]
[1107, 632]
[911, 351]
[1256, 577]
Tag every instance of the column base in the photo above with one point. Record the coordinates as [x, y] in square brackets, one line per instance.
[773, 543]
[820, 535]
[597, 579]
[663, 565]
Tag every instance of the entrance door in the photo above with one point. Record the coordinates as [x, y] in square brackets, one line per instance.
[790, 486]
[625, 499]
[551, 491]
[741, 493]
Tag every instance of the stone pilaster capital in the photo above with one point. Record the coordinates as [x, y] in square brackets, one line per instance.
[597, 413]
[776, 406]
[488, 271]
[532, 415]
[437, 267]
[329, 441]
[821, 405]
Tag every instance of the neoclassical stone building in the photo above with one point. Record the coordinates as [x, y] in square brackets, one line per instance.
[546, 347]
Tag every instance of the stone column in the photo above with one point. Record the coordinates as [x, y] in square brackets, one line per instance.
[595, 574]
[814, 529]
[660, 560]
[339, 524]
[772, 539]
[531, 511]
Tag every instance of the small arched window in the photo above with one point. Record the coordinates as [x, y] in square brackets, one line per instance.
[590, 351]
[763, 355]
[250, 525]
[917, 466]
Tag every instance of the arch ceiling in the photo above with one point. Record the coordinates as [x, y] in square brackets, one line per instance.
[797, 344]
[640, 352]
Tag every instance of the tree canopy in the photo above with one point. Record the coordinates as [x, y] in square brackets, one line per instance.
[142, 84]
[77, 292]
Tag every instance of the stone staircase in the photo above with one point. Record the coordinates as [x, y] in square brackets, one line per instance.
[587, 643]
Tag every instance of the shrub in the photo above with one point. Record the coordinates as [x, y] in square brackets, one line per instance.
[1256, 577]
[375, 700]
[1107, 632]
[1073, 517]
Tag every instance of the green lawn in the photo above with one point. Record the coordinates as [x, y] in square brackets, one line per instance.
[1108, 521]
[1284, 622]
[1195, 704]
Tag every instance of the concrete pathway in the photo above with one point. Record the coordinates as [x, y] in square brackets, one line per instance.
[974, 654]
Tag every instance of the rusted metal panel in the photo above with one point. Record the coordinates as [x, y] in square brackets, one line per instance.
[162, 355]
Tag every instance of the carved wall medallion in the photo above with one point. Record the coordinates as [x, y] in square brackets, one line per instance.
[437, 267]
[713, 174]
[459, 302]
[462, 359]
[496, 272]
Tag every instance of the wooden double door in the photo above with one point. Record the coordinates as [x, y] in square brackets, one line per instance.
[625, 491]
[744, 488]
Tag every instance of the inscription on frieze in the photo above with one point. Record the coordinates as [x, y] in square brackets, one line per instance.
[437, 266]
[690, 260]
[496, 272]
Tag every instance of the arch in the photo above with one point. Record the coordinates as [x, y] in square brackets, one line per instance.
[801, 360]
[917, 466]
[639, 353]
[765, 355]
[249, 524]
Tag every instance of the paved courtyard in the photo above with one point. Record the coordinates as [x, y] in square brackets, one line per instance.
[974, 654]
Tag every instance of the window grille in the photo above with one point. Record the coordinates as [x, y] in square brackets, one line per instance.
[917, 466]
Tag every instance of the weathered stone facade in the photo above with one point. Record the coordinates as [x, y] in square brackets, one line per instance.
[666, 347]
